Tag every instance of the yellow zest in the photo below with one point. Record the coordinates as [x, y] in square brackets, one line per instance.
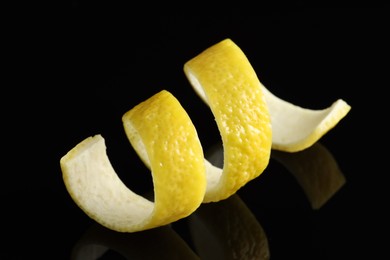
[164, 136]
[251, 122]
[224, 78]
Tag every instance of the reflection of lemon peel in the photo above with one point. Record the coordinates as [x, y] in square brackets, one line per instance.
[295, 128]
[228, 230]
[223, 76]
[172, 147]
[316, 171]
[151, 244]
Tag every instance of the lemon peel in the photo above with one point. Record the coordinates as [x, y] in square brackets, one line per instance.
[162, 129]
[223, 76]
[294, 128]
[251, 120]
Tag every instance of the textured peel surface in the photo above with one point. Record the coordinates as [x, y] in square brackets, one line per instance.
[169, 141]
[224, 78]
[295, 128]
[251, 121]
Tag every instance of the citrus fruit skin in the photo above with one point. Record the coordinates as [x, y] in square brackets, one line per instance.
[165, 136]
[224, 78]
[295, 128]
[174, 153]
[251, 121]
[96, 188]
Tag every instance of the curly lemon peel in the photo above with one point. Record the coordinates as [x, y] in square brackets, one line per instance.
[251, 121]
[161, 128]
[294, 128]
[224, 78]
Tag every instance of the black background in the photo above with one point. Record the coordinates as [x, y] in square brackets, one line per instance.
[76, 77]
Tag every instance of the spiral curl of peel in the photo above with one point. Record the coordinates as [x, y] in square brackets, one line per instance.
[251, 120]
